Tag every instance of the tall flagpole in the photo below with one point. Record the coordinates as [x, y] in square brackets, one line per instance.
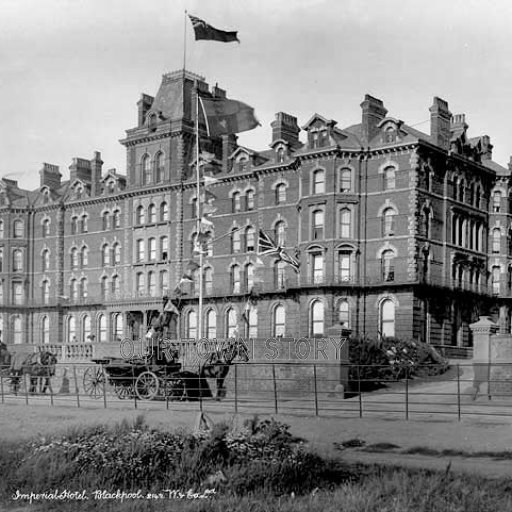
[198, 209]
[185, 42]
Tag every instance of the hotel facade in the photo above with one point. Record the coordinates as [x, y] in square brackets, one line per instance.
[398, 232]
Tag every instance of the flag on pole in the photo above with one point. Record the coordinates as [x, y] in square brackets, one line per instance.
[186, 279]
[267, 247]
[208, 180]
[171, 308]
[207, 196]
[247, 310]
[225, 116]
[206, 223]
[192, 265]
[203, 31]
[209, 209]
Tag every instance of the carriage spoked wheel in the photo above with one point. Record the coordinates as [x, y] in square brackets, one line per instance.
[93, 381]
[147, 385]
[123, 392]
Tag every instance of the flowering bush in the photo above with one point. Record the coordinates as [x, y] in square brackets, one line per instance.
[392, 359]
[255, 456]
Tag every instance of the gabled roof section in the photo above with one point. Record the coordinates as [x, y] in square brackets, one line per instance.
[317, 121]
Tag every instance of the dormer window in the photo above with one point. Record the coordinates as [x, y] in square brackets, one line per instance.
[280, 155]
[111, 187]
[390, 134]
[315, 140]
[242, 162]
[152, 122]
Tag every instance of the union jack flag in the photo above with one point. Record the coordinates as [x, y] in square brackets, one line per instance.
[267, 247]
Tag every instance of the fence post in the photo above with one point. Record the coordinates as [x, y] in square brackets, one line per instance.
[236, 388]
[50, 386]
[2, 388]
[316, 390]
[26, 388]
[407, 394]
[459, 412]
[200, 389]
[275, 387]
[77, 391]
[104, 386]
[132, 387]
[359, 391]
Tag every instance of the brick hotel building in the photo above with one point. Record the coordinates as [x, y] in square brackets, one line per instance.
[398, 232]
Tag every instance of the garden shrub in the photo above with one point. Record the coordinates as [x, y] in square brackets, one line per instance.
[377, 362]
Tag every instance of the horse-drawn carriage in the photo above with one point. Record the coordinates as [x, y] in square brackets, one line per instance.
[156, 376]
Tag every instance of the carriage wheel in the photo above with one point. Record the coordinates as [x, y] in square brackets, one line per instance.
[123, 392]
[93, 381]
[147, 386]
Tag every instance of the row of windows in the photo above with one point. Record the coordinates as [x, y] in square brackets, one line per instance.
[140, 214]
[153, 171]
[140, 251]
[469, 233]
[146, 284]
[17, 229]
[17, 260]
[278, 320]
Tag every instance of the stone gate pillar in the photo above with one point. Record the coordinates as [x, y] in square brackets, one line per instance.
[482, 331]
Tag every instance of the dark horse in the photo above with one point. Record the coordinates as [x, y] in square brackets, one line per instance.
[40, 367]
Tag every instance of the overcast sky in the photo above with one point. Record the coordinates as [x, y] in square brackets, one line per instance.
[71, 71]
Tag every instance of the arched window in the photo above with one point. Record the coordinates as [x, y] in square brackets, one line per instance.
[105, 255]
[280, 231]
[317, 318]
[116, 252]
[72, 330]
[344, 314]
[86, 329]
[152, 249]
[344, 270]
[140, 284]
[250, 239]
[231, 323]
[45, 330]
[73, 289]
[115, 287]
[236, 203]
[140, 252]
[74, 225]
[85, 256]
[18, 229]
[74, 258]
[345, 180]
[249, 200]
[140, 215]
[1, 229]
[345, 223]
[151, 213]
[159, 167]
[319, 182]
[235, 279]
[164, 248]
[17, 330]
[193, 208]
[496, 201]
[388, 176]
[251, 315]
[116, 218]
[478, 196]
[279, 326]
[280, 274]
[83, 287]
[102, 329]
[83, 223]
[45, 228]
[388, 224]
[387, 318]
[318, 225]
[461, 190]
[208, 281]
[192, 325]
[280, 193]
[249, 277]
[495, 276]
[164, 282]
[151, 284]
[147, 175]
[235, 240]
[117, 323]
[105, 220]
[164, 212]
[317, 267]
[17, 260]
[45, 290]
[104, 288]
[426, 223]
[496, 240]
[280, 155]
[211, 324]
[387, 265]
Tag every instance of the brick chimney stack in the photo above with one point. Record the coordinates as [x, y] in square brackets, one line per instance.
[96, 166]
[50, 176]
[285, 127]
[440, 118]
[143, 105]
[486, 153]
[373, 113]
[80, 168]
